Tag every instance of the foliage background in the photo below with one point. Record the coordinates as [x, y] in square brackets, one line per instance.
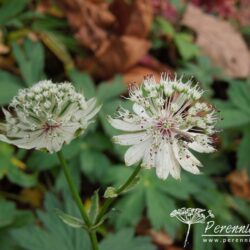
[101, 46]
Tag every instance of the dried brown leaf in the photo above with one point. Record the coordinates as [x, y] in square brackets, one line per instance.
[89, 20]
[133, 19]
[32, 196]
[220, 41]
[148, 66]
[160, 237]
[3, 48]
[115, 33]
[240, 184]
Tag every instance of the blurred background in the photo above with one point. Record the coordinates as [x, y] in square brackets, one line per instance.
[102, 46]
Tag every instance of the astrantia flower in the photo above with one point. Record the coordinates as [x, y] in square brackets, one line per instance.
[167, 120]
[46, 116]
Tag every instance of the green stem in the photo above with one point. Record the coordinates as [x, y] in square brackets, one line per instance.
[110, 201]
[75, 194]
[93, 239]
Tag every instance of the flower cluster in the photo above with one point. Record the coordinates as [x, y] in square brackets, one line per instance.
[191, 215]
[167, 120]
[46, 116]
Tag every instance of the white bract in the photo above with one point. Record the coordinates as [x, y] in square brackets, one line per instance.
[167, 120]
[46, 116]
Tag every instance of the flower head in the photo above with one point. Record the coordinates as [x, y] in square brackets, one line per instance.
[46, 116]
[167, 120]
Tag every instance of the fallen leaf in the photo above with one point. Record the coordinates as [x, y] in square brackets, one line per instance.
[243, 13]
[224, 8]
[147, 66]
[160, 238]
[220, 41]
[3, 48]
[133, 19]
[120, 53]
[166, 9]
[90, 21]
[115, 33]
[32, 196]
[47, 7]
[240, 184]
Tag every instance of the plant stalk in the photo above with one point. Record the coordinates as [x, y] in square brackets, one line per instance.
[110, 201]
[75, 194]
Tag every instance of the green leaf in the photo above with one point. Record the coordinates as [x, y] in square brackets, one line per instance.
[16, 176]
[185, 46]
[13, 83]
[11, 9]
[7, 213]
[54, 234]
[243, 157]
[239, 95]
[107, 91]
[129, 209]
[11, 217]
[198, 230]
[126, 237]
[94, 164]
[98, 141]
[83, 82]
[95, 204]
[233, 118]
[165, 26]
[70, 220]
[53, 42]
[9, 169]
[30, 59]
[159, 207]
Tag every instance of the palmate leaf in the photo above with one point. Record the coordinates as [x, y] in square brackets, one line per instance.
[243, 158]
[156, 196]
[83, 83]
[125, 240]
[56, 235]
[107, 91]
[11, 9]
[30, 58]
[159, 198]
[14, 84]
[236, 111]
[9, 169]
[11, 218]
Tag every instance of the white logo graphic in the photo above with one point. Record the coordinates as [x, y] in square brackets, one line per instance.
[191, 216]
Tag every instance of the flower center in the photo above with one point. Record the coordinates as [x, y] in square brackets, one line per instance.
[48, 128]
[165, 127]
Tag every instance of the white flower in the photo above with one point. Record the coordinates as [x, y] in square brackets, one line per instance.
[164, 126]
[46, 116]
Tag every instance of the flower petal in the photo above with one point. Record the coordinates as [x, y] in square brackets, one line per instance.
[139, 110]
[186, 159]
[126, 126]
[162, 167]
[130, 139]
[201, 148]
[93, 113]
[136, 152]
[174, 166]
[149, 156]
